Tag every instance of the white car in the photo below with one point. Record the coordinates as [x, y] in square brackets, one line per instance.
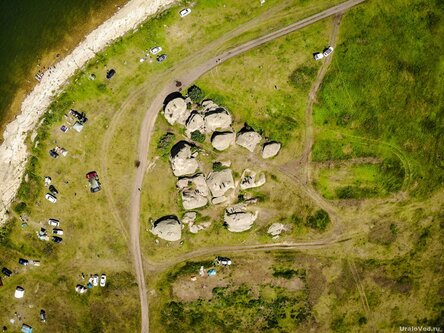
[95, 280]
[185, 12]
[56, 231]
[54, 222]
[81, 289]
[103, 280]
[50, 198]
[318, 56]
[327, 51]
[155, 50]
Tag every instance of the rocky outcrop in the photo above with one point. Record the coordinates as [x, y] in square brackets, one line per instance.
[270, 149]
[183, 159]
[189, 217]
[248, 139]
[222, 140]
[218, 118]
[194, 191]
[168, 228]
[208, 105]
[195, 122]
[219, 182]
[195, 228]
[238, 219]
[276, 229]
[249, 179]
[176, 111]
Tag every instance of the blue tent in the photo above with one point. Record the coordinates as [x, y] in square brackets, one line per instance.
[26, 328]
[211, 272]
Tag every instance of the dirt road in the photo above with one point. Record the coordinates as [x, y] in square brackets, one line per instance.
[148, 124]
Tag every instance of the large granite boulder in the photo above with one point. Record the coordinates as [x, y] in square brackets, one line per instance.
[270, 149]
[276, 229]
[222, 140]
[248, 139]
[238, 219]
[194, 191]
[168, 228]
[250, 179]
[195, 123]
[176, 111]
[218, 118]
[183, 159]
[220, 182]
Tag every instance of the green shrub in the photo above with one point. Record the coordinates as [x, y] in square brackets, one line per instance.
[302, 77]
[198, 136]
[217, 166]
[195, 93]
[20, 208]
[319, 220]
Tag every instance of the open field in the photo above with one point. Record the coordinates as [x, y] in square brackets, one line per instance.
[382, 256]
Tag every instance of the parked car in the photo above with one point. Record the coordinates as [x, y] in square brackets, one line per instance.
[94, 182]
[185, 12]
[223, 261]
[53, 190]
[110, 73]
[81, 289]
[57, 239]
[161, 58]
[80, 116]
[50, 198]
[327, 51]
[155, 50]
[23, 262]
[54, 222]
[318, 56]
[53, 153]
[95, 280]
[103, 280]
[6, 272]
[56, 231]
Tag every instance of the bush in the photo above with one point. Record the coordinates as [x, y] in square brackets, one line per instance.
[198, 136]
[20, 208]
[195, 93]
[302, 77]
[217, 166]
[319, 220]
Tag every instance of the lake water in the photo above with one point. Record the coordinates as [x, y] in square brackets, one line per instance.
[33, 32]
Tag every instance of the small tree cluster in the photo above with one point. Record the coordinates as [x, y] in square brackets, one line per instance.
[195, 93]
[198, 136]
[319, 220]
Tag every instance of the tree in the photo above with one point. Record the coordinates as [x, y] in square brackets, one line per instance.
[195, 93]
[198, 136]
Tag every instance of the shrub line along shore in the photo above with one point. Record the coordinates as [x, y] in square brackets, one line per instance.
[13, 151]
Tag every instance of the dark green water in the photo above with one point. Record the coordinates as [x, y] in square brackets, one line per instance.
[32, 28]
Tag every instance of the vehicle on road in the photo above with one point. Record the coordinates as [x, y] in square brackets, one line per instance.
[50, 198]
[155, 50]
[327, 51]
[110, 74]
[318, 56]
[95, 280]
[57, 231]
[54, 222]
[161, 58]
[57, 239]
[185, 12]
[103, 280]
[94, 182]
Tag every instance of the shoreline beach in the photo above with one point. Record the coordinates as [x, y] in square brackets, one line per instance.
[13, 150]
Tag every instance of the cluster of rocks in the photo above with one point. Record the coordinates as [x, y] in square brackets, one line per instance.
[276, 229]
[196, 189]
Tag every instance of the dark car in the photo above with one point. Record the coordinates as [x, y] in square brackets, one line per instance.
[110, 73]
[23, 262]
[53, 190]
[6, 272]
[80, 116]
[94, 182]
[57, 239]
[53, 153]
[161, 58]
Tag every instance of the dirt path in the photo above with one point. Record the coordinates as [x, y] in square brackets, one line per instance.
[148, 124]
[303, 163]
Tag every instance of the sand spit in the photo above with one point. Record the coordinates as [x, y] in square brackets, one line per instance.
[13, 151]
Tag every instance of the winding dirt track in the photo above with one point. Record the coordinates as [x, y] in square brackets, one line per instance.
[148, 124]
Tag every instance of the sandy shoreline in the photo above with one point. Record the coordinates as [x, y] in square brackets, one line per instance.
[13, 151]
